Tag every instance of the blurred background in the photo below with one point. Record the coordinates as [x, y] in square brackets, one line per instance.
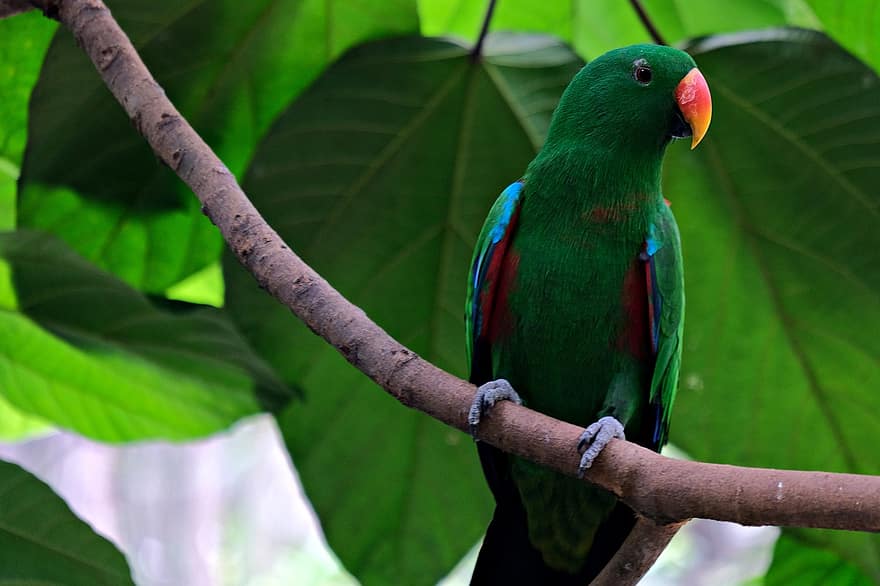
[230, 510]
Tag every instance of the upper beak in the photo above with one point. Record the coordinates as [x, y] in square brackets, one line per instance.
[695, 103]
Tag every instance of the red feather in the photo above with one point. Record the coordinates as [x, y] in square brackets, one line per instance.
[500, 276]
[635, 336]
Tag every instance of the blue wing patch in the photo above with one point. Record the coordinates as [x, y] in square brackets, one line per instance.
[508, 199]
[497, 226]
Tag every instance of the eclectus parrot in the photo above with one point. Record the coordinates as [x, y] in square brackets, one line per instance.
[575, 307]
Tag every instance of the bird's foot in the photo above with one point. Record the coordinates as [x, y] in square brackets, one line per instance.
[487, 395]
[597, 436]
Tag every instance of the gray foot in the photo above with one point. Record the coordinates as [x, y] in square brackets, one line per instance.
[597, 436]
[487, 395]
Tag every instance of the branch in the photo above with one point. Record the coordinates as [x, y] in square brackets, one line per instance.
[639, 551]
[477, 51]
[647, 22]
[659, 488]
[13, 7]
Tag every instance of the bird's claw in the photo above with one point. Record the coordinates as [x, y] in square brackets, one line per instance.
[487, 395]
[597, 436]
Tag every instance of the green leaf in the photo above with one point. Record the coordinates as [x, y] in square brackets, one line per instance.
[854, 25]
[43, 542]
[381, 175]
[806, 564]
[23, 42]
[89, 353]
[778, 210]
[229, 67]
[16, 425]
[205, 287]
[596, 26]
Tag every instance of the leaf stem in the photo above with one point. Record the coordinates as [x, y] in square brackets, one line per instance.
[477, 51]
[646, 21]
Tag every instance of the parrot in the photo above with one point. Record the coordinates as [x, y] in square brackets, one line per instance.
[575, 306]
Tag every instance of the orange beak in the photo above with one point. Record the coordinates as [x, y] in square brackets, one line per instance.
[695, 103]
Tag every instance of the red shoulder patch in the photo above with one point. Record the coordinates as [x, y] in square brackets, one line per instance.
[501, 321]
[635, 335]
[500, 278]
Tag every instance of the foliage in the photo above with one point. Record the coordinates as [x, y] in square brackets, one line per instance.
[380, 174]
[95, 370]
[391, 188]
[43, 542]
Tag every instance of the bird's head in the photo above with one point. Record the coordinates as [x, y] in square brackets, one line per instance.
[637, 98]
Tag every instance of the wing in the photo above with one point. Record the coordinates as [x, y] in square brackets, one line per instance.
[507, 530]
[663, 269]
[492, 245]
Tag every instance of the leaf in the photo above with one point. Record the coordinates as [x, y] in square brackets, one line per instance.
[205, 287]
[43, 542]
[778, 212]
[16, 425]
[87, 352]
[229, 66]
[596, 26]
[796, 562]
[23, 42]
[854, 25]
[381, 175]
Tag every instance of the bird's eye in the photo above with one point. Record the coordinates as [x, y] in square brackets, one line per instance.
[642, 72]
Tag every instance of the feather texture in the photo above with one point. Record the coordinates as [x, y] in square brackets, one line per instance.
[576, 297]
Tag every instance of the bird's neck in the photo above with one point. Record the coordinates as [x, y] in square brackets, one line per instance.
[575, 180]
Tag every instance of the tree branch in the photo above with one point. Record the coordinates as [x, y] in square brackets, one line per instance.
[647, 22]
[13, 7]
[659, 488]
[639, 551]
[477, 51]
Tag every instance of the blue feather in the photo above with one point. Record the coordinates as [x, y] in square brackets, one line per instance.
[509, 200]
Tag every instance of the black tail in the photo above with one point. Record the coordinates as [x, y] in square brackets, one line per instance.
[508, 557]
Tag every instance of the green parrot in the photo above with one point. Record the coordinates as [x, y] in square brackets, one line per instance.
[575, 307]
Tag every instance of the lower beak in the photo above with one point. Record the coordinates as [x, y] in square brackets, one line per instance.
[695, 103]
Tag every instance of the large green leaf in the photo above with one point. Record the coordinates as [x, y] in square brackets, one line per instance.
[43, 542]
[853, 24]
[596, 26]
[23, 42]
[778, 212]
[381, 175]
[15, 425]
[229, 66]
[797, 562]
[85, 351]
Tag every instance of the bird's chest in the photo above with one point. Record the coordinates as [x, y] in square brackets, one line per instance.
[573, 312]
[578, 286]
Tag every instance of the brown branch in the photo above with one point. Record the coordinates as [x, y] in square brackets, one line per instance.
[638, 553]
[662, 489]
[13, 7]
[647, 22]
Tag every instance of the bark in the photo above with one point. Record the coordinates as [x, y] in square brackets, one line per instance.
[13, 7]
[638, 553]
[664, 490]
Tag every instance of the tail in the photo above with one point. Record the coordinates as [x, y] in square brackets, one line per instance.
[507, 557]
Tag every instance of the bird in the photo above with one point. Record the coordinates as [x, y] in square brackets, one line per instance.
[575, 307]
